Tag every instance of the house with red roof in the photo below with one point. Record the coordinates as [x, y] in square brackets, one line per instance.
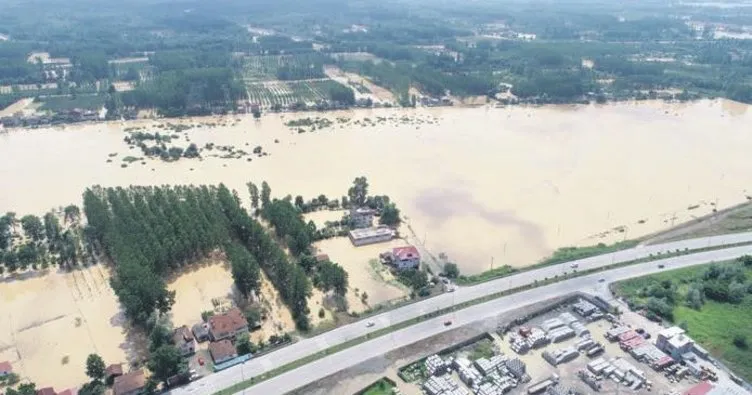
[227, 325]
[700, 389]
[5, 368]
[404, 258]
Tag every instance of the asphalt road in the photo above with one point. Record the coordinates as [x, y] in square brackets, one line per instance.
[354, 355]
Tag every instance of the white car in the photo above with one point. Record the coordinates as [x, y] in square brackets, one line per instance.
[370, 324]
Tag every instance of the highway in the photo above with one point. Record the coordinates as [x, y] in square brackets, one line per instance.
[354, 355]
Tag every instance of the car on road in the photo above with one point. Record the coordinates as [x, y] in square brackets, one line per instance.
[575, 265]
[370, 324]
[447, 323]
[601, 280]
[661, 266]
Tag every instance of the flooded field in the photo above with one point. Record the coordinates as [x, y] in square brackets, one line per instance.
[508, 183]
[197, 289]
[365, 275]
[52, 322]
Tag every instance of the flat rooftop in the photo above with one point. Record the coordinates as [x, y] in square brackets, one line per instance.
[371, 232]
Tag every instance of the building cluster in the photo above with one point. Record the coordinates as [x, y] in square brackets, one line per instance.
[673, 353]
[364, 233]
[123, 383]
[555, 330]
[708, 388]
[484, 376]
[617, 369]
[221, 330]
[58, 118]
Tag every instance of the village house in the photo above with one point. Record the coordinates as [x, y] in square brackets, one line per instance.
[112, 371]
[201, 332]
[132, 383]
[5, 368]
[361, 237]
[361, 217]
[46, 391]
[183, 339]
[222, 351]
[227, 325]
[402, 258]
[674, 342]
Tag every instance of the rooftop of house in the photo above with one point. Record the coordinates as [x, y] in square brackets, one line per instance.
[322, 257]
[362, 211]
[700, 389]
[46, 391]
[182, 335]
[230, 321]
[5, 366]
[201, 329]
[222, 349]
[70, 391]
[671, 332]
[371, 232]
[116, 369]
[405, 253]
[129, 382]
[680, 341]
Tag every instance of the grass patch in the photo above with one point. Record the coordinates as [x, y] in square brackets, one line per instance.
[64, 103]
[482, 349]
[567, 254]
[715, 324]
[381, 387]
[486, 276]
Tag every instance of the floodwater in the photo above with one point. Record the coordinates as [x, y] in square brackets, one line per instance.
[483, 185]
[52, 321]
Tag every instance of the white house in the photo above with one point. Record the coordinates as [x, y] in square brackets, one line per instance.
[406, 257]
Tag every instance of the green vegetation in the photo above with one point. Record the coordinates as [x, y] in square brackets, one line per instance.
[566, 254]
[381, 387]
[712, 301]
[482, 349]
[64, 103]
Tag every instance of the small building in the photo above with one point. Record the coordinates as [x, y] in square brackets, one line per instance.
[404, 258]
[322, 258]
[228, 324]
[46, 391]
[5, 368]
[201, 332]
[222, 351]
[361, 237]
[183, 339]
[132, 383]
[112, 371]
[361, 217]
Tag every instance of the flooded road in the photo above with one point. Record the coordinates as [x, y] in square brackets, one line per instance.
[507, 185]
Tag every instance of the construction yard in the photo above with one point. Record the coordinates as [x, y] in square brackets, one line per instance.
[567, 346]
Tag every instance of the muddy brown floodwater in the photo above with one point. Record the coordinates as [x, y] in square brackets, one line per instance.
[508, 183]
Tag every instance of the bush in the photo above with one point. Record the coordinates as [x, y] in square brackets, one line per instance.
[451, 270]
[740, 341]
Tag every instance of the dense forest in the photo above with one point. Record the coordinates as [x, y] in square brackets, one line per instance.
[149, 231]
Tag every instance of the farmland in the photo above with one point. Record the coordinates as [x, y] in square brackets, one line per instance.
[289, 93]
[284, 81]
